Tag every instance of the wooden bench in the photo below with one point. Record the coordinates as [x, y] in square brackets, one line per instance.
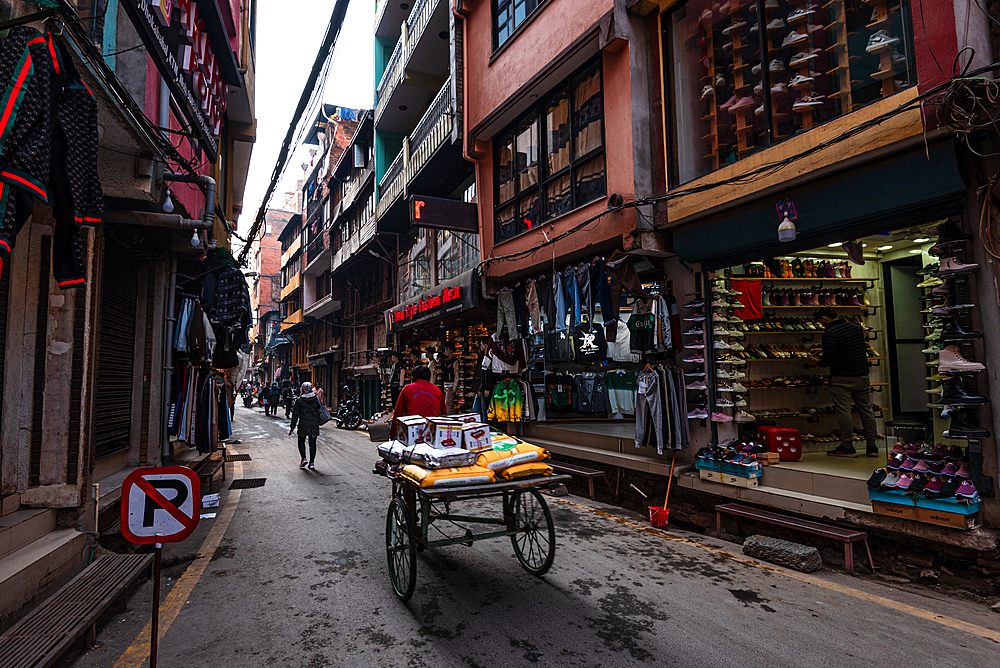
[208, 465]
[583, 471]
[40, 638]
[847, 536]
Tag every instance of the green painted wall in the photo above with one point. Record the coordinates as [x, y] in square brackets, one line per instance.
[387, 147]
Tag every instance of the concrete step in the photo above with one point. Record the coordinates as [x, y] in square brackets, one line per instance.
[852, 490]
[629, 460]
[37, 569]
[24, 526]
[10, 504]
[589, 439]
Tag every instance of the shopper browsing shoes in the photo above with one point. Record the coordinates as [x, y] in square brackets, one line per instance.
[305, 413]
[845, 352]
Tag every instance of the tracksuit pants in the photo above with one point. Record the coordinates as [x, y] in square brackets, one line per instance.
[648, 407]
[505, 313]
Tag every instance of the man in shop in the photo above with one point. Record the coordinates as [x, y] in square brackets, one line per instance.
[845, 353]
[419, 398]
[449, 374]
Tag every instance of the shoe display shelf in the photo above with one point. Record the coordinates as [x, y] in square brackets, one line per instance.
[801, 83]
[723, 466]
[942, 512]
[841, 58]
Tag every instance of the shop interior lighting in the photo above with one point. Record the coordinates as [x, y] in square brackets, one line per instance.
[921, 240]
[885, 248]
[834, 245]
[916, 251]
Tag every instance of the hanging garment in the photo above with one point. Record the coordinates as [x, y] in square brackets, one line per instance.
[588, 344]
[572, 296]
[584, 288]
[648, 406]
[591, 393]
[559, 304]
[505, 313]
[641, 326]
[621, 385]
[557, 346]
[752, 303]
[599, 288]
[210, 340]
[534, 307]
[620, 350]
[675, 320]
[664, 325]
[560, 393]
[507, 402]
[521, 308]
[621, 274]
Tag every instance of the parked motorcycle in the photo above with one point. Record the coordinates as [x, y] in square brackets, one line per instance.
[349, 410]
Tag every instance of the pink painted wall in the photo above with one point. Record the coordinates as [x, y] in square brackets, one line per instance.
[488, 86]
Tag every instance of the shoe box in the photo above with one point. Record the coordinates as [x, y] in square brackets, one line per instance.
[894, 510]
[727, 479]
[943, 512]
[945, 519]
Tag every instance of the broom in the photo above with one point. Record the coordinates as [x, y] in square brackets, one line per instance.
[658, 517]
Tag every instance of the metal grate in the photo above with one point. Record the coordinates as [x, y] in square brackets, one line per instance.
[237, 458]
[247, 483]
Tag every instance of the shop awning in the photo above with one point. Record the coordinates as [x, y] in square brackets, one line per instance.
[448, 298]
[888, 194]
[365, 369]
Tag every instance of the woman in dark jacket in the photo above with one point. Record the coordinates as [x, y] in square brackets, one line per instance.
[273, 397]
[305, 413]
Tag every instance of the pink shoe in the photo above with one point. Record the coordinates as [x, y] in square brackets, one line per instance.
[967, 492]
[905, 481]
[721, 417]
[964, 471]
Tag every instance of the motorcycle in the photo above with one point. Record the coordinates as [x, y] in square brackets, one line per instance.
[348, 411]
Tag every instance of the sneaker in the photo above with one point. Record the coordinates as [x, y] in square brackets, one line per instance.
[807, 102]
[302, 464]
[967, 492]
[891, 478]
[909, 465]
[722, 374]
[950, 266]
[843, 451]
[759, 111]
[897, 58]
[707, 91]
[950, 360]
[876, 478]
[698, 414]
[949, 487]
[758, 89]
[933, 487]
[720, 345]
[905, 480]
[872, 451]
[695, 303]
[799, 80]
[735, 26]
[694, 331]
[880, 40]
[738, 387]
[776, 24]
[722, 402]
[721, 417]
[728, 103]
[697, 344]
[964, 471]
[736, 347]
[779, 89]
[741, 104]
[696, 385]
[694, 359]
[743, 416]
[756, 69]
[697, 372]
[930, 282]
[803, 57]
[793, 37]
[799, 14]
[739, 401]
[722, 387]
[312, 467]
[776, 66]
[695, 317]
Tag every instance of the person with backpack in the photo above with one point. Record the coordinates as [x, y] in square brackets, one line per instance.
[306, 414]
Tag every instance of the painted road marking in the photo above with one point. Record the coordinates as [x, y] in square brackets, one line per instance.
[974, 629]
[137, 653]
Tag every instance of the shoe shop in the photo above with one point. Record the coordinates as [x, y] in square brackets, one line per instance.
[848, 347]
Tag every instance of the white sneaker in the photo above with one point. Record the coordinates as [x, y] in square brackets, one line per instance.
[779, 88]
[739, 401]
[743, 416]
[880, 40]
[722, 387]
[737, 347]
[707, 91]
[737, 387]
[722, 374]
[776, 24]
[802, 58]
[793, 37]
[776, 66]
[722, 402]
[799, 80]
[721, 345]
[798, 14]
[696, 385]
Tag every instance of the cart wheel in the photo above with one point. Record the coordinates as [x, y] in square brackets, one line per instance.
[400, 548]
[535, 540]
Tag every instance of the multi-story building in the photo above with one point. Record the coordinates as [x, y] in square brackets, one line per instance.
[265, 292]
[171, 112]
[676, 137]
[419, 120]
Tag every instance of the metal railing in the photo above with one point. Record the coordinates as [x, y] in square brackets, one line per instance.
[391, 172]
[316, 247]
[439, 106]
[393, 71]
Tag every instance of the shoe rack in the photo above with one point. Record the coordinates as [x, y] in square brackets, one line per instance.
[886, 72]
[712, 107]
[803, 68]
[840, 55]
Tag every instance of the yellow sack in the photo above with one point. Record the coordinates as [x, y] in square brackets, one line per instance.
[522, 453]
[526, 471]
[463, 475]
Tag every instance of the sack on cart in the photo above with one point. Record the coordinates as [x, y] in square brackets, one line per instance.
[425, 456]
[450, 477]
[525, 471]
[498, 460]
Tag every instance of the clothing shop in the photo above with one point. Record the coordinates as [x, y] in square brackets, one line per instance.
[448, 316]
[895, 421]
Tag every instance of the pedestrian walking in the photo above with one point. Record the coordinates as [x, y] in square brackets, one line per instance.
[287, 399]
[449, 375]
[319, 393]
[305, 414]
[396, 376]
[274, 398]
[846, 353]
[419, 398]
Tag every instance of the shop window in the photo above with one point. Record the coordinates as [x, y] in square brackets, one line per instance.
[458, 252]
[738, 82]
[551, 160]
[508, 15]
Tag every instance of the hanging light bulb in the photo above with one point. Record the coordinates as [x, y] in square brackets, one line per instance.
[786, 230]
[168, 204]
[195, 239]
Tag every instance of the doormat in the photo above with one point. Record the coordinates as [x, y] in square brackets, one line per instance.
[247, 483]
[238, 458]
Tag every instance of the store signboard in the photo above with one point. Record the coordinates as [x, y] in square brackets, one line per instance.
[448, 298]
[443, 214]
[184, 56]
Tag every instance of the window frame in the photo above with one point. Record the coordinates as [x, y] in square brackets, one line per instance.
[537, 111]
[515, 25]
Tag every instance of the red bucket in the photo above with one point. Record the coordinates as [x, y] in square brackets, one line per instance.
[658, 516]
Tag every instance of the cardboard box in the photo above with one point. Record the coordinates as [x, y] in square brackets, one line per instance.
[768, 458]
[728, 479]
[410, 429]
[443, 433]
[466, 417]
[476, 437]
[894, 510]
[941, 518]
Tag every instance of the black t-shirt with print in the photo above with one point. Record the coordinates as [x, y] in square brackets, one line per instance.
[588, 344]
[641, 327]
[557, 346]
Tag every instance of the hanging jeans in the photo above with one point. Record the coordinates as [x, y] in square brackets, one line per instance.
[559, 303]
[622, 275]
[572, 296]
[505, 313]
[534, 308]
[584, 288]
[599, 287]
[648, 407]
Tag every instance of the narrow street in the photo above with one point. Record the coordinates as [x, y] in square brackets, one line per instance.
[299, 579]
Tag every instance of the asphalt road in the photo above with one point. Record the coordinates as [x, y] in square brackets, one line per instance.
[300, 579]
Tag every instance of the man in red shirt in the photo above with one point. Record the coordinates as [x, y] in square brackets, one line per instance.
[419, 398]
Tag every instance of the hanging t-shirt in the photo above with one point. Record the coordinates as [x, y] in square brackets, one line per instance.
[641, 327]
[588, 344]
[620, 350]
[621, 391]
[560, 393]
[557, 346]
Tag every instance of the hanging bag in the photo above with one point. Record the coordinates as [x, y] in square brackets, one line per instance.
[324, 415]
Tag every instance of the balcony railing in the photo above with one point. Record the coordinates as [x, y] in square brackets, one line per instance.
[395, 70]
[394, 169]
[316, 247]
[433, 129]
[355, 243]
[356, 186]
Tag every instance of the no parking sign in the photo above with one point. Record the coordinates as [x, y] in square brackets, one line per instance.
[160, 504]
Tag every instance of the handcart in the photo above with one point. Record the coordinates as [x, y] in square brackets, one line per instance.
[526, 520]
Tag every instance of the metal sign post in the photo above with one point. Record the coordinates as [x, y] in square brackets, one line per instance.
[160, 505]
